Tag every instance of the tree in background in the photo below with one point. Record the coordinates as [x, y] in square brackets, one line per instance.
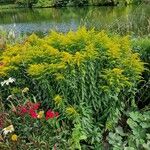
[7, 1]
[60, 3]
[26, 3]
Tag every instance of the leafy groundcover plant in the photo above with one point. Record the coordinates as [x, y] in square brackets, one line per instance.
[89, 77]
[136, 137]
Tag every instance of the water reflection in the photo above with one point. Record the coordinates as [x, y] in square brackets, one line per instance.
[124, 20]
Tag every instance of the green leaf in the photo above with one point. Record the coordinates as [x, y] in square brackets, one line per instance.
[148, 136]
[83, 137]
[131, 123]
[145, 125]
[119, 130]
[129, 148]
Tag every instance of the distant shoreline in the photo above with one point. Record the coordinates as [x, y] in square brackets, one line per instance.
[13, 6]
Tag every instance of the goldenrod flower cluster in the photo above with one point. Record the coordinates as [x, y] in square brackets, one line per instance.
[62, 56]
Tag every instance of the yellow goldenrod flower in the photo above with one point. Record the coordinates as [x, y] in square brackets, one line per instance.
[40, 114]
[78, 58]
[113, 49]
[14, 137]
[71, 111]
[37, 69]
[66, 57]
[117, 71]
[58, 99]
[25, 90]
[90, 52]
[8, 129]
[59, 76]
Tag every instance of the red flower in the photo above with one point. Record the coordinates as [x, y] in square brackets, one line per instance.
[24, 110]
[21, 110]
[35, 106]
[33, 114]
[51, 114]
[28, 103]
[29, 108]
[56, 114]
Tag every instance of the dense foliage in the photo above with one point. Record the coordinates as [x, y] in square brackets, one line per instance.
[7, 1]
[142, 45]
[82, 84]
[60, 3]
[137, 137]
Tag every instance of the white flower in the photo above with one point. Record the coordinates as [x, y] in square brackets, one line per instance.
[8, 129]
[7, 82]
[11, 80]
[2, 83]
[10, 97]
[11, 34]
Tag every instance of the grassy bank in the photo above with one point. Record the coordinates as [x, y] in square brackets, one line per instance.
[8, 6]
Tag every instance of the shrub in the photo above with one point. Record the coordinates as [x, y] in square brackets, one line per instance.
[91, 77]
[45, 3]
[26, 3]
[142, 46]
[61, 3]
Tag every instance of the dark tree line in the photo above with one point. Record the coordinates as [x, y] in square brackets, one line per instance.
[59, 3]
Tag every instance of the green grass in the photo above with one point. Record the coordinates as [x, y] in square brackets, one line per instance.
[8, 6]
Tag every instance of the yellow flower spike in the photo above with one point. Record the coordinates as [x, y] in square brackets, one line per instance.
[32, 38]
[66, 57]
[113, 49]
[126, 44]
[16, 59]
[40, 114]
[59, 76]
[50, 50]
[37, 69]
[25, 90]
[71, 111]
[14, 137]
[78, 58]
[2, 71]
[58, 100]
[90, 52]
[117, 71]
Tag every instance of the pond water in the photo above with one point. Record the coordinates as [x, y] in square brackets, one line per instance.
[132, 19]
